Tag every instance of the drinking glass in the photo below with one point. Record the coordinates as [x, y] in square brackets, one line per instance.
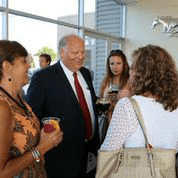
[51, 123]
[103, 105]
[114, 88]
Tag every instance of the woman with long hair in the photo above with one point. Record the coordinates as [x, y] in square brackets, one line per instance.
[117, 72]
[114, 86]
[115, 83]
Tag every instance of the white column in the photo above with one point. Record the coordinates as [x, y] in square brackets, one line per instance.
[5, 20]
[81, 17]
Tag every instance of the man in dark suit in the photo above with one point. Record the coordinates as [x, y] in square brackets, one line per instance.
[52, 92]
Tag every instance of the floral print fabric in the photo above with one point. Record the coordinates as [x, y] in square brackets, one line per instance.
[26, 135]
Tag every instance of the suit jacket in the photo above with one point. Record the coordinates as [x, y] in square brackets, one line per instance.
[50, 94]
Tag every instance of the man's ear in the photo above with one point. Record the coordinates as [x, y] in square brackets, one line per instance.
[62, 52]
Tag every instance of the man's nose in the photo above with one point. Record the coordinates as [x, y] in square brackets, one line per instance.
[81, 55]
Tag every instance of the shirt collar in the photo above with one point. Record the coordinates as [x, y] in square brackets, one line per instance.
[66, 70]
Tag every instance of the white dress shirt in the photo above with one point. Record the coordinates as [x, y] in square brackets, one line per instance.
[86, 91]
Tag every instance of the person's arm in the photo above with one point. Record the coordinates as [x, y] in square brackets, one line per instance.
[125, 92]
[101, 89]
[11, 167]
[123, 124]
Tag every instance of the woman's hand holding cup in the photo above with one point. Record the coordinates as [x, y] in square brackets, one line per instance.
[51, 134]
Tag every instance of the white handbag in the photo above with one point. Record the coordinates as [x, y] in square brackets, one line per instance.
[145, 162]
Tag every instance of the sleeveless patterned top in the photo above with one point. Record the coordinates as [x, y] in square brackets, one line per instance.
[26, 135]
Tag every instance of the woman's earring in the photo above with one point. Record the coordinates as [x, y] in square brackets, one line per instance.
[9, 78]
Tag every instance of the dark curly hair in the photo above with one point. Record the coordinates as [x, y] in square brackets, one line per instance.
[9, 50]
[155, 73]
[109, 75]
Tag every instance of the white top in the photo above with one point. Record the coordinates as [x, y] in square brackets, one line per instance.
[161, 125]
[86, 91]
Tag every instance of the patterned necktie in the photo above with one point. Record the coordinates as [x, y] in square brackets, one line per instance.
[84, 107]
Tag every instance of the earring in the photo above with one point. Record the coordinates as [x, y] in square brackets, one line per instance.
[9, 78]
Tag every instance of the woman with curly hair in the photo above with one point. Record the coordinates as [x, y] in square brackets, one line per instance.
[154, 84]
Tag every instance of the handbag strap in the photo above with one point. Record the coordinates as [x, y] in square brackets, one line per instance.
[139, 118]
[141, 122]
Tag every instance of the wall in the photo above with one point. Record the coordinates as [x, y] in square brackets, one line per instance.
[140, 17]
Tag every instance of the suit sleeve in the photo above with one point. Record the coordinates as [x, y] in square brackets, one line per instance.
[35, 95]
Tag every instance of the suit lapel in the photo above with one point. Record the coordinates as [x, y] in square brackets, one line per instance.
[89, 83]
[84, 74]
[65, 81]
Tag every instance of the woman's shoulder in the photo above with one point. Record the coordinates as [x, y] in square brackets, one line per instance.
[142, 100]
[124, 101]
[5, 109]
[124, 106]
[151, 107]
[104, 81]
[4, 102]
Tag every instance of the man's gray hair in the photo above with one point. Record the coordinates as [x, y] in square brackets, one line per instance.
[64, 40]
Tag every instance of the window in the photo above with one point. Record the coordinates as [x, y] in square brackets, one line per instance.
[90, 14]
[33, 34]
[38, 24]
[51, 9]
